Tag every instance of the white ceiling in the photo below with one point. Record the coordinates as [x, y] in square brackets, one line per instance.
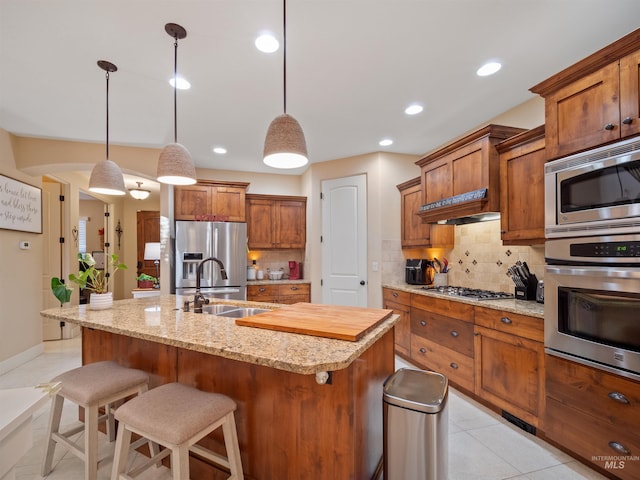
[352, 68]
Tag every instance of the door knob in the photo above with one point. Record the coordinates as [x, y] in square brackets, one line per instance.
[362, 282]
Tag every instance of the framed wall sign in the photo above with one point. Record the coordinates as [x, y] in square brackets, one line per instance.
[20, 206]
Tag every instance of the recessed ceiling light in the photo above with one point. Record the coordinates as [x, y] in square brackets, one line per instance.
[220, 150]
[183, 84]
[267, 43]
[488, 69]
[413, 109]
[386, 142]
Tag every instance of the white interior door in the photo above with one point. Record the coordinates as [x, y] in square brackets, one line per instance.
[344, 241]
[51, 254]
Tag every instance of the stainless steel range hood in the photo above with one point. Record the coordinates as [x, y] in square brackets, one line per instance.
[478, 217]
[459, 210]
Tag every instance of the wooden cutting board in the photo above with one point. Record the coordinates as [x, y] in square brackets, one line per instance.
[330, 321]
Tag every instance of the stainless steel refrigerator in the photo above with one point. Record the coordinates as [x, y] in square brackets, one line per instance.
[226, 241]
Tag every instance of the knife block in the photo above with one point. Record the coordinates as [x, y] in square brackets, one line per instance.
[528, 292]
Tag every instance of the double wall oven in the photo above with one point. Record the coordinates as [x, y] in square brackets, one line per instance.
[592, 277]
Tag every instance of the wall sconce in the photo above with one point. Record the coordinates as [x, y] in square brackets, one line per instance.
[119, 233]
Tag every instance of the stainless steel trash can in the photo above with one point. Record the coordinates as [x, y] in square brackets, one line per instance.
[415, 431]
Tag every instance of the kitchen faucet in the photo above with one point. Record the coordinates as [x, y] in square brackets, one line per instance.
[198, 298]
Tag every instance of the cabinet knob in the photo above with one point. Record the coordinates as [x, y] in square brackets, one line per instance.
[619, 448]
[609, 126]
[261, 289]
[502, 232]
[454, 365]
[423, 350]
[619, 397]
[506, 320]
[394, 294]
[423, 323]
[454, 333]
[294, 288]
[627, 121]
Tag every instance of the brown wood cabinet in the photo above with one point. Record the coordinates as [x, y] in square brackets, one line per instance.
[400, 303]
[414, 232]
[276, 221]
[287, 293]
[509, 362]
[594, 414]
[442, 338]
[522, 159]
[210, 200]
[464, 166]
[595, 101]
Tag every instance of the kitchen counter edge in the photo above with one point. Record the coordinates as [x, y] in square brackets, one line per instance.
[522, 307]
[162, 320]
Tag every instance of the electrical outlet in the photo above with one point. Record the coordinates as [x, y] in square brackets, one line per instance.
[374, 266]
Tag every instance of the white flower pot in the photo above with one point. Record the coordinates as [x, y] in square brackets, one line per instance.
[100, 301]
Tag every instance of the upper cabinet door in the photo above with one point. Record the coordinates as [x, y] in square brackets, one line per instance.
[630, 95]
[192, 201]
[583, 114]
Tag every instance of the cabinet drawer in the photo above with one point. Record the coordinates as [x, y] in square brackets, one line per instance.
[258, 292]
[456, 366]
[591, 438]
[301, 289]
[449, 308]
[446, 331]
[512, 323]
[595, 392]
[397, 296]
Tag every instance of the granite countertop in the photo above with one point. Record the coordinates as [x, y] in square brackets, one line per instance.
[523, 307]
[161, 319]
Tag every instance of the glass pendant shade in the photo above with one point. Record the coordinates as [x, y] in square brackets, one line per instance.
[175, 166]
[139, 193]
[106, 178]
[285, 145]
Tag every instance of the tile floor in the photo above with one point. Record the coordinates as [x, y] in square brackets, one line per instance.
[482, 445]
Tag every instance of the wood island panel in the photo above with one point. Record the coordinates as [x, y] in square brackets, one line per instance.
[289, 426]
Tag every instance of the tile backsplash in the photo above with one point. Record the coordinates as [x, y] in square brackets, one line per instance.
[275, 259]
[478, 259]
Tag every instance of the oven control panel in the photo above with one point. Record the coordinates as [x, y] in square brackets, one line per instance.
[605, 249]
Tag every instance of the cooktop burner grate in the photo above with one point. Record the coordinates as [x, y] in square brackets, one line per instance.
[471, 293]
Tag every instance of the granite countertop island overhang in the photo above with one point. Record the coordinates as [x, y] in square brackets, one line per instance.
[162, 320]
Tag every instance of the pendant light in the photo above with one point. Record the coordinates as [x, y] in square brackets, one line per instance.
[284, 145]
[106, 176]
[139, 193]
[175, 166]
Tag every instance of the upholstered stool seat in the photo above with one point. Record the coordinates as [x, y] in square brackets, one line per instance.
[91, 387]
[177, 417]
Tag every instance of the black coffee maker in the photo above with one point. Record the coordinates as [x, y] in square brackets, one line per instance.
[419, 271]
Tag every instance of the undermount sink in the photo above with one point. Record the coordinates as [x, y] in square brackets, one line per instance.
[232, 311]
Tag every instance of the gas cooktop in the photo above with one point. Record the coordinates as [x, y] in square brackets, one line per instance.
[470, 293]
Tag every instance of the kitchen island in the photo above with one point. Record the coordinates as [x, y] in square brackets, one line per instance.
[290, 424]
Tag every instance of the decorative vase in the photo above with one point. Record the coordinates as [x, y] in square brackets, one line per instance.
[100, 301]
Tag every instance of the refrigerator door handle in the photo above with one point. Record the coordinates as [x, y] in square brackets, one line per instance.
[215, 242]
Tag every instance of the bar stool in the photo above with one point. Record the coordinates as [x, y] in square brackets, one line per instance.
[91, 386]
[177, 416]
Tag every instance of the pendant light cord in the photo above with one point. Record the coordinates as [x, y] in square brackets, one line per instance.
[175, 91]
[107, 144]
[284, 50]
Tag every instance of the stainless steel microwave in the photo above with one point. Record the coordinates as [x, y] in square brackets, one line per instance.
[595, 192]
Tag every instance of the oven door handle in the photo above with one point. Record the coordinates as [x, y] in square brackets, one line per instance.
[605, 272]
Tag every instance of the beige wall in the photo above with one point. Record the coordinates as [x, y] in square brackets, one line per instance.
[20, 277]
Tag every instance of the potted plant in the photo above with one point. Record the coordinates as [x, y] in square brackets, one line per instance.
[96, 280]
[145, 281]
